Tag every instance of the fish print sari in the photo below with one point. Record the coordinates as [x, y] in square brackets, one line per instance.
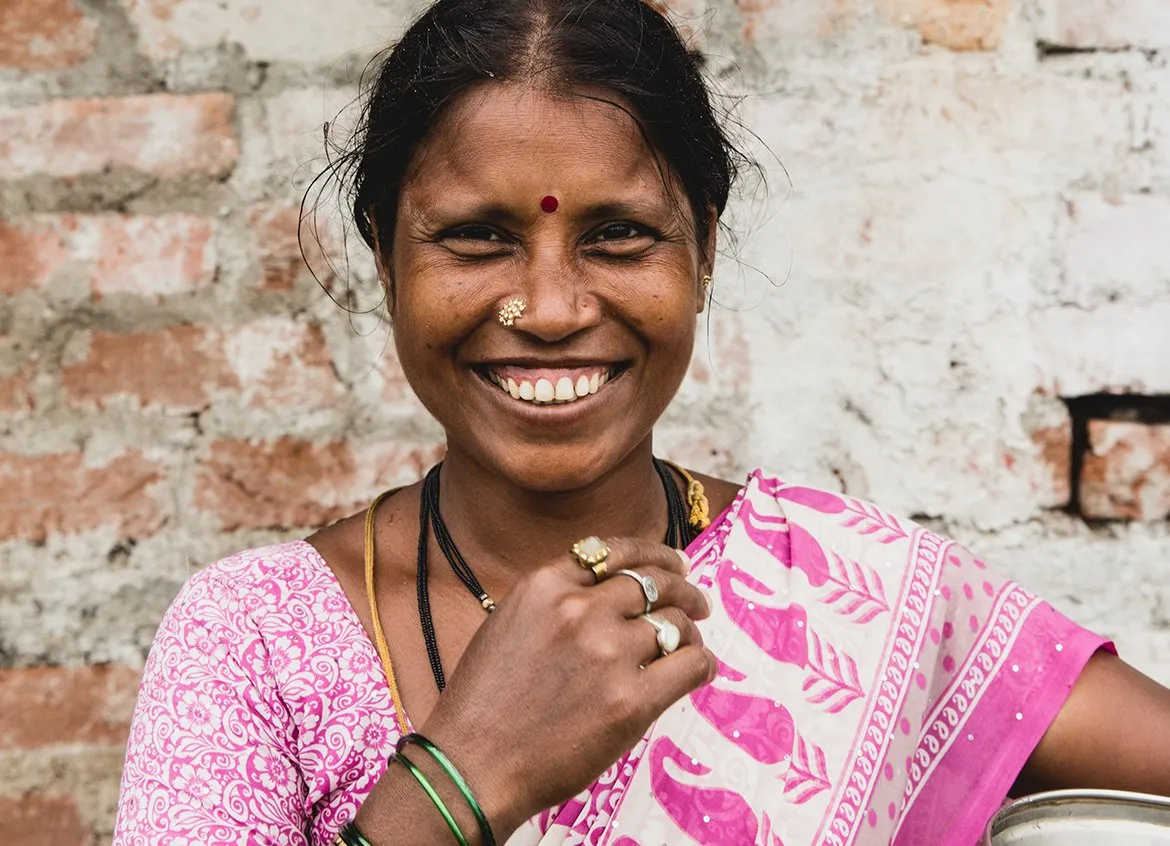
[877, 684]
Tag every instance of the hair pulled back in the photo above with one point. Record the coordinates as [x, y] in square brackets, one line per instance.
[626, 47]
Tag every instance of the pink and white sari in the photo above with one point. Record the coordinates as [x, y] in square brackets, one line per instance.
[878, 685]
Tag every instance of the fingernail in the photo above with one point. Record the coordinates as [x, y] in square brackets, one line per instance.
[687, 562]
[707, 597]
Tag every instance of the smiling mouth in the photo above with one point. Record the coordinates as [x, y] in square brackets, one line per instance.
[550, 386]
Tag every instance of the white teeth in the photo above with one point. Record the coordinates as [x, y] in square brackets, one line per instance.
[565, 390]
[544, 391]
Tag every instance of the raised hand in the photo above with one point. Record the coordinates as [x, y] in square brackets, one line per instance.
[565, 677]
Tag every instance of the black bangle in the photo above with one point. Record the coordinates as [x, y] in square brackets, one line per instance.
[350, 836]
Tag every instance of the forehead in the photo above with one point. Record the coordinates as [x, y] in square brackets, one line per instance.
[508, 136]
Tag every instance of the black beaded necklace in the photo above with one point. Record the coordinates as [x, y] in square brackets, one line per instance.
[678, 535]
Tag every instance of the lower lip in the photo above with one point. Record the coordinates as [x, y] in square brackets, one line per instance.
[553, 412]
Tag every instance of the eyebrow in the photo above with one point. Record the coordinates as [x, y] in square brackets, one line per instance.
[443, 214]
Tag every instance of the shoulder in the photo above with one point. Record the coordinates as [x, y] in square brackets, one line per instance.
[273, 615]
[256, 588]
[829, 512]
[295, 563]
[830, 536]
[848, 547]
[796, 502]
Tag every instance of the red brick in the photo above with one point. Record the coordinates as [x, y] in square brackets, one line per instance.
[16, 380]
[1047, 465]
[36, 820]
[59, 493]
[264, 30]
[1126, 472]
[165, 135]
[44, 35]
[151, 256]
[954, 24]
[274, 230]
[395, 388]
[290, 483]
[1053, 487]
[53, 706]
[274, 363]
[16, 393]
[964, 24]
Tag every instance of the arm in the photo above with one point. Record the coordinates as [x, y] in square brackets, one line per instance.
[1113, 732]
[208, 758]
[212, 757]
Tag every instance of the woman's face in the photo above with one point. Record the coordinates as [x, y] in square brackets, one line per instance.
[611, 280]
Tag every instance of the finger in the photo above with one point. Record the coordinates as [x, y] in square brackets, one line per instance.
[630, 553]
[669, 589]
[669, 679]
[646, 648]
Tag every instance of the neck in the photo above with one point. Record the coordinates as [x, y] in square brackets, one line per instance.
[505, 530]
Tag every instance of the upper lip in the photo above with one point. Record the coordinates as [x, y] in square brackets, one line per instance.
[551, 364]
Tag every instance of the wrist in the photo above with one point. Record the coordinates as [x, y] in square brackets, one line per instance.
[505, 806]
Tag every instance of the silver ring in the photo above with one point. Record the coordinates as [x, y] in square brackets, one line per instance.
[666, 633]
[649, 587]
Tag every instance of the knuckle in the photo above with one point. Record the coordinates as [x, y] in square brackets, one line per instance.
[572, 611]
[606, 651]
[671, 587]
[546, 580]
[690, 632]
[677, 616]
[706, 667]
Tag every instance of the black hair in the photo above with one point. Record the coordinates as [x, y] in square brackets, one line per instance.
[624, 47]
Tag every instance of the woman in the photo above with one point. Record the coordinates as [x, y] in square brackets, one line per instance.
[541, 182]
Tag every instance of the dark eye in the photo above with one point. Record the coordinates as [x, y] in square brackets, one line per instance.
[473, 232]
[475, 241]
[620, 232]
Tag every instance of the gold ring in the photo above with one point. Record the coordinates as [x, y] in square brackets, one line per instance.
[590, 554]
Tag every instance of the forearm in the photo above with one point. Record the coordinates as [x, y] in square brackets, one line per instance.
[398, 812]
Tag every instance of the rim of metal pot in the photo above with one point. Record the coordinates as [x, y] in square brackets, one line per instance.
[1009, 813]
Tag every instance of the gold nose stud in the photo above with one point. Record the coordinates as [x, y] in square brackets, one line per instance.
[512, 311]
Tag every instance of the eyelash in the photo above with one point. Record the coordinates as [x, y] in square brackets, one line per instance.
[476, 231]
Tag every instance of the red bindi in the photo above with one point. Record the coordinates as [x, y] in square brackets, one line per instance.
[549, 204]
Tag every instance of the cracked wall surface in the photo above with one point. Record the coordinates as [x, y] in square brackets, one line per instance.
[950, 294]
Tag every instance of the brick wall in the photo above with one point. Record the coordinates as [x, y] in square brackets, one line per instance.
[960, 307]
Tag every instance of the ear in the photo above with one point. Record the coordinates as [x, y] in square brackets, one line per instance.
[383, 266]
[707, 258]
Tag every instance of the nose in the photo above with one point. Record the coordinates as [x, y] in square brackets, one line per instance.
[560, 302]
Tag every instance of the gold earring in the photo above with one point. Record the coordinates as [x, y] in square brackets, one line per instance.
[706, 283]
[512, 311]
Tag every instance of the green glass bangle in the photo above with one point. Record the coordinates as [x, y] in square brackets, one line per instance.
[439, 804]
[351, 836]
[443, 761]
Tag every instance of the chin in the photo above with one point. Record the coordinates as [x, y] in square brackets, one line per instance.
[556, 468]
